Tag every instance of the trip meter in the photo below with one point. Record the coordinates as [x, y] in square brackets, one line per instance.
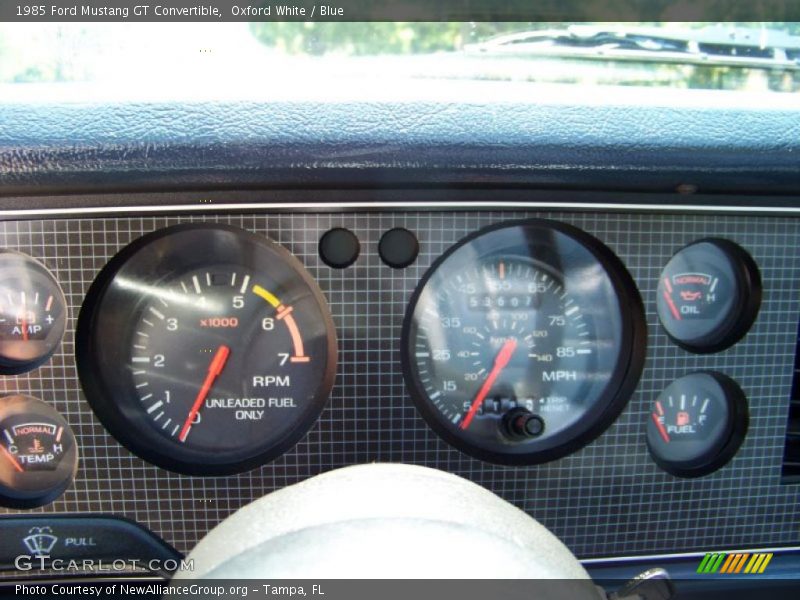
[206, 349]
[524, 341]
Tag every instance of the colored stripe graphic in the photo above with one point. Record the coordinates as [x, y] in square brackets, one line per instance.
[728, 563]
[734, 563]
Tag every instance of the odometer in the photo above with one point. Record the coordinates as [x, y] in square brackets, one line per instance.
[206, 349]
[523, 342]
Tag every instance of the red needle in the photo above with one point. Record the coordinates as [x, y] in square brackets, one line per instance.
[660, 426]
[12, 458]
[672, 306]
[500, 363]
[214, 369]
[24, 326]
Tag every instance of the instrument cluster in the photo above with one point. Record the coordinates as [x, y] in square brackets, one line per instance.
[210, 350]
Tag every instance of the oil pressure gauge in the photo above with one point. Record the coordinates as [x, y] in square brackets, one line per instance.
[33, 313]
[697, 424]
[708, 295]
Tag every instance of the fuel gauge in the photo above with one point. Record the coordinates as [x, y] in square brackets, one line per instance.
[33, 313]
[38, 453]
[708, 295]
[697, 424]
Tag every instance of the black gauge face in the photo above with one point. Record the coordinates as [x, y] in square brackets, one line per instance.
[226, 358]
[708, 295]
[38, 454]
[696, 424]
[523, 342]
[33, 313]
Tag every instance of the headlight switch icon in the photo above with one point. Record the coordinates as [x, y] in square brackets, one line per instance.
[40, 541]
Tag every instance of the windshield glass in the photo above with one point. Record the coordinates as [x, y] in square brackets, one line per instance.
[729, 56]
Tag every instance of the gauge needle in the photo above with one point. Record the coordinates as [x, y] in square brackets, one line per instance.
[12, 459]
[500, 363]
[24, 326]
[214, 369]
[660, 427]
[673, 309]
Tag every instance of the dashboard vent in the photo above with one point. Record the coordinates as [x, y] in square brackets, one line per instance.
[791, 456]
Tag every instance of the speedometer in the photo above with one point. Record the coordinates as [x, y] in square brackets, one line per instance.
[523, 342]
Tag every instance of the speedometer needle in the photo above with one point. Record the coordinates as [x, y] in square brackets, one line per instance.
[500, 362]
[214, 369]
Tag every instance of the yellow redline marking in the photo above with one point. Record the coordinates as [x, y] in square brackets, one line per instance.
[266, 295]
[765, 563]
[728, 561]
[741, 562]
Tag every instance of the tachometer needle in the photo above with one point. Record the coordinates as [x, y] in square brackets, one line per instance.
[500, 362]
[214, 369]
[660, 427]
[12, 459]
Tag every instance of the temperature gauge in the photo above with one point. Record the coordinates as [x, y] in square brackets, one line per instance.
[38, 454]
[708, 295]
[33, 313]
[697, 424]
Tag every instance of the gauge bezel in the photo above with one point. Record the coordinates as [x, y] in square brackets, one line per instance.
[34, 499]
[10, 366]
[746, 306]
[621, 385]
[736, 431]
[102, 394]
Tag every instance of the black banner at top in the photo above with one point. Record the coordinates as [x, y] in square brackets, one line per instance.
[401, 10]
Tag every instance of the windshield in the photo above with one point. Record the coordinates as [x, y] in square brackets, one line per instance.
[729, 56]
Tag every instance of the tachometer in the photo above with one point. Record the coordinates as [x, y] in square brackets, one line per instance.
[523, 342]
[206, 349]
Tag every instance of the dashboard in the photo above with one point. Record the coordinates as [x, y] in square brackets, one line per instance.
[611, 492]
[642, 206]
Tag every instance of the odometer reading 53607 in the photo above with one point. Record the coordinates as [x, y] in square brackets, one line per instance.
[523, 342]
[206, 349]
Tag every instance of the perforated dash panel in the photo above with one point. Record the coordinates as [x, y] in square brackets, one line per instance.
[607, 499]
